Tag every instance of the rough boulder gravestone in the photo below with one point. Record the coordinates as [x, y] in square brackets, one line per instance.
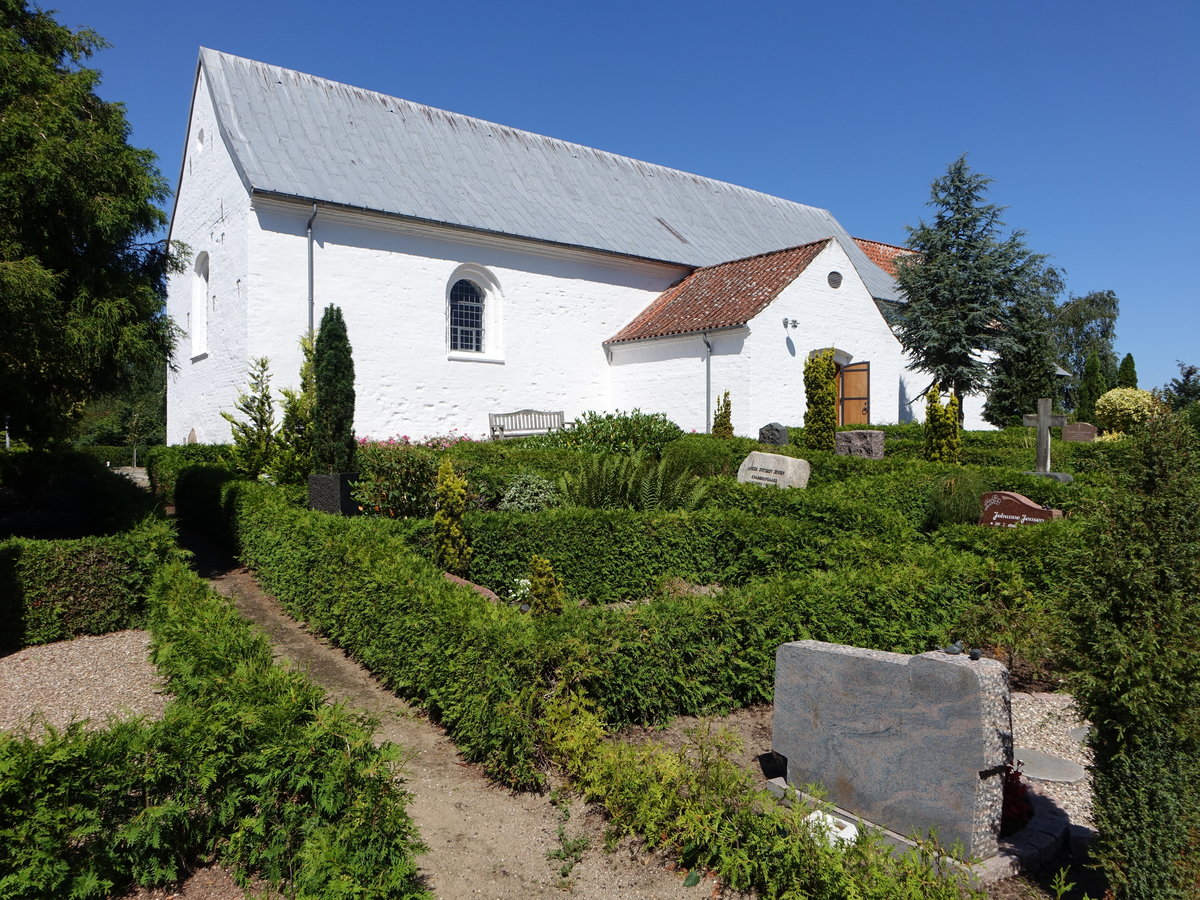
[867, 444]
[910, 743]
[1008, 509]
[774, 433]
[774, 469]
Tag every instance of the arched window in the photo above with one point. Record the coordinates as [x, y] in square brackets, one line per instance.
[466, 316]
[198, 320]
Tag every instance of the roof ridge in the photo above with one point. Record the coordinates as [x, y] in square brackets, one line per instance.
[765, 253]
[678, 173]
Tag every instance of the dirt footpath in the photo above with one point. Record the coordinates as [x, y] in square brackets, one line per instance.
[483, 841]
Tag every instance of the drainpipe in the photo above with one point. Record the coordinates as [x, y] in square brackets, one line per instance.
[707, 385]
[310, 268]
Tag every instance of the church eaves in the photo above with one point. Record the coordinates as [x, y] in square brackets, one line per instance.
[299, 136]
[721, 296]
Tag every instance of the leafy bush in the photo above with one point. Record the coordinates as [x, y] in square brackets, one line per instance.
[530, 492]
[1124, 409]
[395, 479]
[109, 455]
[616, 432]
[54, 590]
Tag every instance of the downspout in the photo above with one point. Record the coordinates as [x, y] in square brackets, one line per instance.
[707, 384]
[308, 229]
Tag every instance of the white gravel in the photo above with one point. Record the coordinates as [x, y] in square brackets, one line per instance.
[88, 678]
[1043, 722]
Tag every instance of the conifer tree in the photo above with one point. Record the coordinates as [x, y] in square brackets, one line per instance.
[254, 436]
[451, 549]
[1091, 387]
[1026, 371]
[723, 418]
[545, 593]
[1127, 373]
[333, 409]
[943, 439]
[820, 392]
[966, 286]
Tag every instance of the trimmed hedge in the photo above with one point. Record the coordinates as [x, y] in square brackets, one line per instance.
[53, 590]
[163, 464]
[249, 766]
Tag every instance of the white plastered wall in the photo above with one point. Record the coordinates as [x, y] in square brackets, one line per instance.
[548, 311]
[211, 212]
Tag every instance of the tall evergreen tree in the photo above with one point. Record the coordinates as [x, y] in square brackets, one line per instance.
[1026, 371]
[1091, 387]
[81, 280]
[254, 436]
[968, 289]
[820, 395]
[333, 410]
[1127, 373]
[1183, 391]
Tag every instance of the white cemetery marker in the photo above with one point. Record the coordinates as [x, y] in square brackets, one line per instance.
[1043, 421]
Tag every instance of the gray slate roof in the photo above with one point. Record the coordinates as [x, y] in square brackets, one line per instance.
[306, 137]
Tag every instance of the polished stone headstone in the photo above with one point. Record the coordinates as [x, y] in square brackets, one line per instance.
[911, 743]
[1008, 509]
[1079, 433]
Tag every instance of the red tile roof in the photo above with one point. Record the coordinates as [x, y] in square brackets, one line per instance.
[721, 296]
[883, 255]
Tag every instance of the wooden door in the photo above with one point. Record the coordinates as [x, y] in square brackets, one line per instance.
[854, 394]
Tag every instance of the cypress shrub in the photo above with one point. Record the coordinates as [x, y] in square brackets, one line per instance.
[723, 418]
[451, 549]
[1091, 386]
[1133, 632]
[943, 438]
[820, 393]
[1127, 373]
[333, 409]
[545, 593]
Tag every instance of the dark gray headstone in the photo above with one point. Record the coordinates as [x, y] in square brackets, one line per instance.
[774, 433]
[331, 494]
[774, 470]
[867, 444]
[911, 743]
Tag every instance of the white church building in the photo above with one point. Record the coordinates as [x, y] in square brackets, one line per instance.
[483, 269]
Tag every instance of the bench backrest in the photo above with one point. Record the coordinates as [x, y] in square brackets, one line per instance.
[524, 421]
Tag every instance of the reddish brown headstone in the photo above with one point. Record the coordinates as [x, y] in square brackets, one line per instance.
[1007, 509]
[1079, 432]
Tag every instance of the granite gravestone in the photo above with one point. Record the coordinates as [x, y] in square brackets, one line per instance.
[909, 743]
[774, 433]
[867, 444]
[1008, 509]
[1079, 433]
[775, 470]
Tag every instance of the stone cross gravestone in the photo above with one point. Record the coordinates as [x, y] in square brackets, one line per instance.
[867, 444]
[1008, 509]
[774, 469]
[1079, 433]
[1043, 420]
[909, 743]
[774, 433]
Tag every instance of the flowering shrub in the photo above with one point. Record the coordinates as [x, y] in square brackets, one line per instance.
[395, 479]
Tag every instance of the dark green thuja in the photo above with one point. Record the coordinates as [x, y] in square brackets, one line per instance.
[943, 439]
[545, 593]
[451, 549]
[1091, 387]
[723, 418]
[254, 436]
[820, 394]
[333, 410]
[1127, 373]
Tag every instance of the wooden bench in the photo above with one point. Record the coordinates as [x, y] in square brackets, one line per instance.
[525, 422]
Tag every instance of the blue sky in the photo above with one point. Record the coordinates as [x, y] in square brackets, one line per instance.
[1083, 113]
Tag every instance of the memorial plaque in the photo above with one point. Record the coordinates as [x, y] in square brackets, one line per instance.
[1079, 433]
[774, 470]
[1007, 509]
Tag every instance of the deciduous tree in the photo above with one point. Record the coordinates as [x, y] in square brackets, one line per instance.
[82, 278]
[1084, 325]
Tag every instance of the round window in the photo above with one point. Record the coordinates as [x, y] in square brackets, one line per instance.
[835, 279]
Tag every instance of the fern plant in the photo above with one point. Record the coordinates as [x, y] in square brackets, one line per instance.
[632, 482]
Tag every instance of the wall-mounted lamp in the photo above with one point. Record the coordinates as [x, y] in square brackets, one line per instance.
[790, 323]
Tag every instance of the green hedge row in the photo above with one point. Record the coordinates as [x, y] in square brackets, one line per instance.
[249, 766]
[484, 668]
[163, 464]
[52, 590]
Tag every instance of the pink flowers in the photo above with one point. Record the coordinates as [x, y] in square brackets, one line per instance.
[435, 442]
